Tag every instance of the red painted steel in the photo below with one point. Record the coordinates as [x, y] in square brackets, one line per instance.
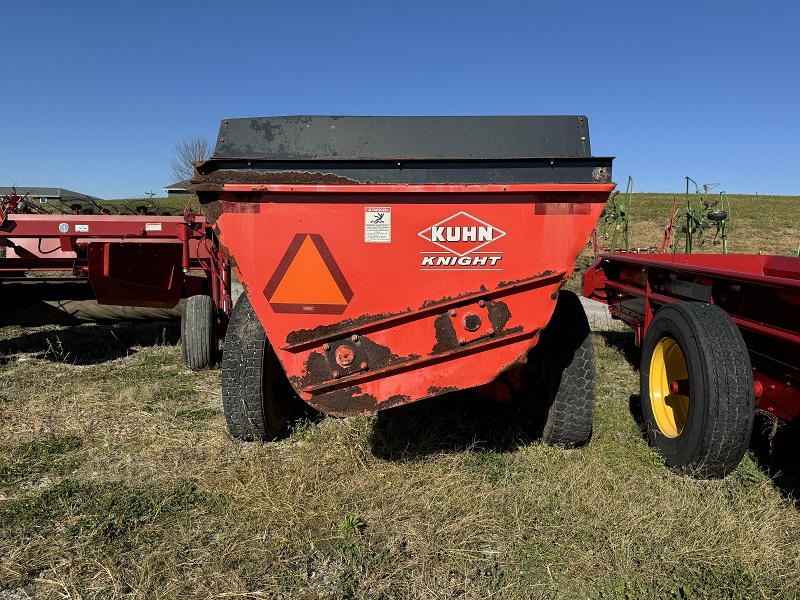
[434, 288]
[130, 260]
[761, 293]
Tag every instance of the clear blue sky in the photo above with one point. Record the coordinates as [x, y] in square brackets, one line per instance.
[95, 94]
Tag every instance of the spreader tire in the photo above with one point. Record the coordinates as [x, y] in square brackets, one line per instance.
[198, 332]
[697, 389]
[566, 405]
[256, 394]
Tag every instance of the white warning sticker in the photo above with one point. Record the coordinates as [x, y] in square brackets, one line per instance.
[152, 226]
[82, 228]
[378, 224]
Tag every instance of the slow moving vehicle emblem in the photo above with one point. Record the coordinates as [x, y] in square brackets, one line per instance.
[308, 279]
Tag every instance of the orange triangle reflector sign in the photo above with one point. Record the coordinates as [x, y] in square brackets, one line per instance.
[308, 280]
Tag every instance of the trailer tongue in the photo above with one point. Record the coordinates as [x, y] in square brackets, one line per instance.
[390, 259]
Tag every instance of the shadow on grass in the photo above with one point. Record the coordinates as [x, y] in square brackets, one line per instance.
[635, 407]
[452, 422]
[624, 342]
[90, 344]
[775, 445]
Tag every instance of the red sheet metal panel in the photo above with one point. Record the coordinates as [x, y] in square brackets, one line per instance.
[375, 296]
[136, 274]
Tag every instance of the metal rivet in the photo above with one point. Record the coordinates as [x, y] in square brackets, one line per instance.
[453, 312]
[336, 374]
[481, 303]
[363, 365]
[462, 341]
[354, 338]
[326, 347]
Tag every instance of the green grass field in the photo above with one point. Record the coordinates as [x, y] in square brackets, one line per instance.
[118, 479]
[758, 224]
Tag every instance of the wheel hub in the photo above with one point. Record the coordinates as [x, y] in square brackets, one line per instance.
[667, 372]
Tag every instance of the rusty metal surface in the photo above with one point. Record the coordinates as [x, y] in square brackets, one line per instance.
[365, 323]
[395, 258]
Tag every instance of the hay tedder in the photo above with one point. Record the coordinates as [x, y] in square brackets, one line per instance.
[390, 259]
[73, 268]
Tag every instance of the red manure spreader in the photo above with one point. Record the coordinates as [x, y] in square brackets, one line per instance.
[390, 259]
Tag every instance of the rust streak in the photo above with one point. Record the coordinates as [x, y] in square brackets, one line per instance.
[319, 368]
[304, 338]
[435, 390]
[351, 402]
[544, 274]
[419, 362]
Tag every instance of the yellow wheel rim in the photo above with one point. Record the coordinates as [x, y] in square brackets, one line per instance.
[669, 409]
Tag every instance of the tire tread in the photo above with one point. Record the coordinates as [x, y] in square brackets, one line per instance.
[725, 363]
[245, 401]
[198, 332]
[568, 343]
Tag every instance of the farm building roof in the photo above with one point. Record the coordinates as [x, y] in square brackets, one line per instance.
[180, 185]
[48, 193]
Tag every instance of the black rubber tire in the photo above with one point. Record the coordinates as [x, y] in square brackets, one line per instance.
[256, 394]
[565, 407]
[721, 405]
[199, 332]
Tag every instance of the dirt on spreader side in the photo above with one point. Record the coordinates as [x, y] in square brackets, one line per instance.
[278, 177]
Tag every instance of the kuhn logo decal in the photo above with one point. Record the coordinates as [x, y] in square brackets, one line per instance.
[461, 237]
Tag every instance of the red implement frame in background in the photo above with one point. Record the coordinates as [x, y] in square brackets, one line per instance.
[760, 293]
[141, 260]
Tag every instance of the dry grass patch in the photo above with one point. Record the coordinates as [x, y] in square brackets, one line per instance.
[120, 480]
